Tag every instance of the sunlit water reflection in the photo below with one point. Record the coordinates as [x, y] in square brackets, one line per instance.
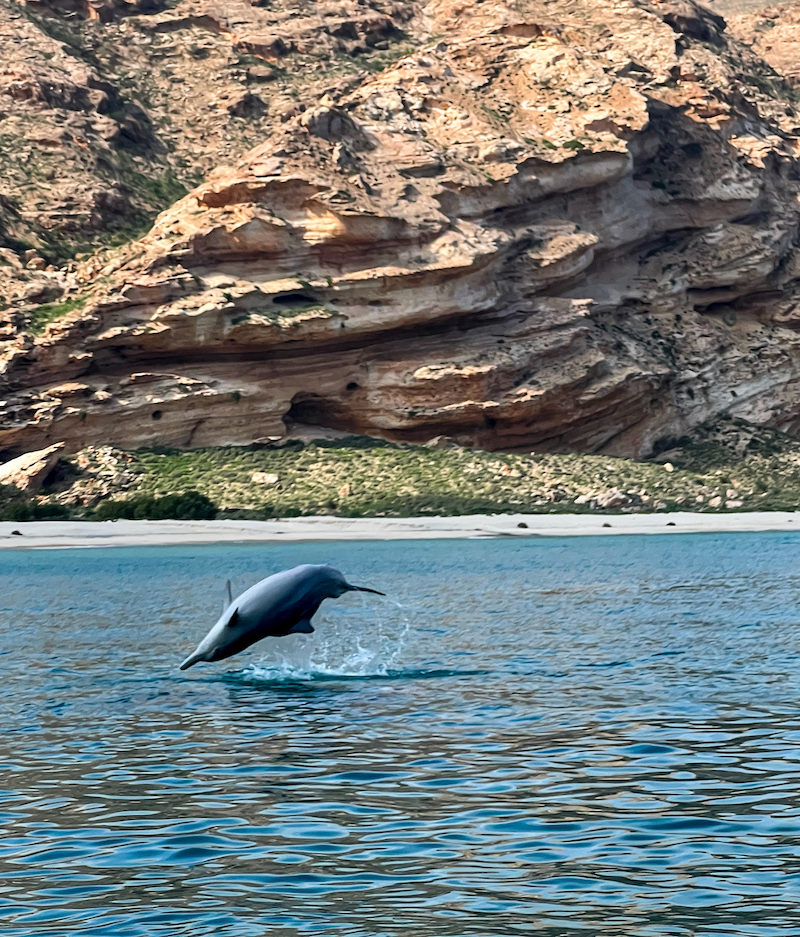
[588, 736]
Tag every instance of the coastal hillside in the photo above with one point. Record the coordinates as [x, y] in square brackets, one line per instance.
[550, 225]
[731, 466]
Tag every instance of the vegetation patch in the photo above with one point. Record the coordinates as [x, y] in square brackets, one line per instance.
[42, 316]
[148, 194]
[159, 191]
[15, 506]
[729, 467]
[189, 506]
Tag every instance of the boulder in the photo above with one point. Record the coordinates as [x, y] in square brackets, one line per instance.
[264, 478]
[28, 472]
[613, 498]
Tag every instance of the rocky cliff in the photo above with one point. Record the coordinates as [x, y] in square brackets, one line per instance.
[549, 224]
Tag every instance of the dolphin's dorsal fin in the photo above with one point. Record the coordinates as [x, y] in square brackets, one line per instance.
[228, 595]
[303, 626]
[231, 622]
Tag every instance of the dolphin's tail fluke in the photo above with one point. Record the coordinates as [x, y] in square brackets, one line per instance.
[191, 660]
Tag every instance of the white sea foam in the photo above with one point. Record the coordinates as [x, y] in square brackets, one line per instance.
[356, 641]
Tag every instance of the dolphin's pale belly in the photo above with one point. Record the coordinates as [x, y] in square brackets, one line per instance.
[248, 629]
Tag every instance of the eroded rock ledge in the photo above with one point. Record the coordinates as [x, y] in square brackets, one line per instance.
[563, 225]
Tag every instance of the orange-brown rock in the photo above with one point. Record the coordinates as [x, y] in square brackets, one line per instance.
[111, 109]
[556, 225]
[774, 34]
[28, 471]
[56, 131]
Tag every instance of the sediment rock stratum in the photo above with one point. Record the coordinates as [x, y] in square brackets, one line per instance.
[554, 225]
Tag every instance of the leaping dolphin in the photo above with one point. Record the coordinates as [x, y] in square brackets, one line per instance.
[278, 605]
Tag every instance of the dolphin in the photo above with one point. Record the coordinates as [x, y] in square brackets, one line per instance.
[278, 605]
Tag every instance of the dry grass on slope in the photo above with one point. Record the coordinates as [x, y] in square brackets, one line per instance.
[731, 466]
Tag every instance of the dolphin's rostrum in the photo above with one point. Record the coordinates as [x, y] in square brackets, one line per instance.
[278, 605]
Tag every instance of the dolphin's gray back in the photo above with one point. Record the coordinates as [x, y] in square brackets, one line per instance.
[284, 594]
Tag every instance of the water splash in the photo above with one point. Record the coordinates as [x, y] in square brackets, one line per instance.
[355, 641]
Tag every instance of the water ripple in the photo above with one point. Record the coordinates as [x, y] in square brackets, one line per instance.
[550, 737]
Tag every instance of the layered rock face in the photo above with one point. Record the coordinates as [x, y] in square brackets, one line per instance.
[555, 225]
[111, 109]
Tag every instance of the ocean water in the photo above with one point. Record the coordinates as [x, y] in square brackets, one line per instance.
[579, 736]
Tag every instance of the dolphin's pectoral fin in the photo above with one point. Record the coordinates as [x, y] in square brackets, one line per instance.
[232, 621]
[303, 626]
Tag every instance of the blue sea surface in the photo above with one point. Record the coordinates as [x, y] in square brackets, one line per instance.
[589, 736]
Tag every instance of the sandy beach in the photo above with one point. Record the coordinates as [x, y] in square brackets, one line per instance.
[49, 534]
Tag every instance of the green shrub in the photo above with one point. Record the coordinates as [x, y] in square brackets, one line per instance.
[33, 511]
[50, 512]
[189, 506]
[16, 511]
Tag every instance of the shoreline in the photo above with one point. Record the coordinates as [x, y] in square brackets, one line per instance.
[82, 534]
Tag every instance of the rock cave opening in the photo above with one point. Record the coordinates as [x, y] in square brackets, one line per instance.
[294, 299]
[309, 409]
